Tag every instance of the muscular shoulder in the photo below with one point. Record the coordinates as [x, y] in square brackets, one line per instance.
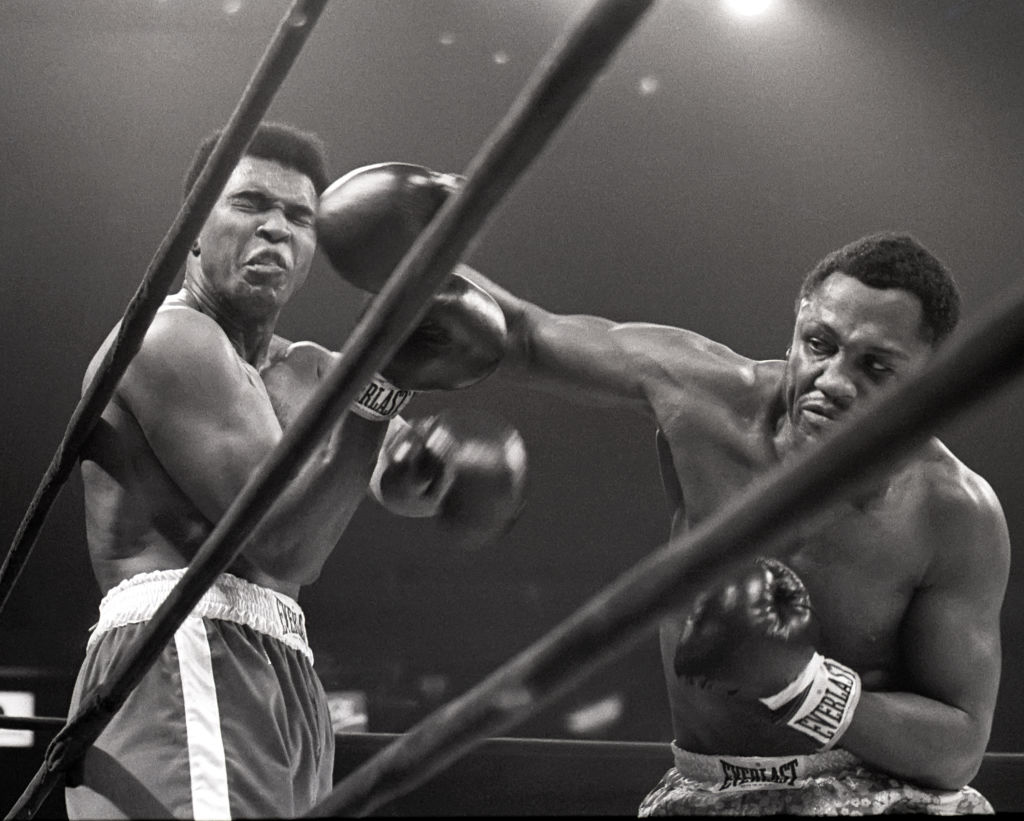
[180, 339]
[684, 357]
[962, 514]
[176, 335]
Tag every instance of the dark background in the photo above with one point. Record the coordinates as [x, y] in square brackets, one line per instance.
[711, 165]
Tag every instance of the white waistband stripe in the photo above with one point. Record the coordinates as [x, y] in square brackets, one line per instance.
[229, 599]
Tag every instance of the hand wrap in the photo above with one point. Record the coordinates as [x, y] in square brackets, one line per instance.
[821, 700]
[380, 400]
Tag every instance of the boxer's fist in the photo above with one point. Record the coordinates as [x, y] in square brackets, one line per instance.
[366, 222]
[459, 341]
[370, 217]
[751, 636]
[468, 471]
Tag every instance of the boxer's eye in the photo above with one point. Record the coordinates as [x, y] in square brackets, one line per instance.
[877, 368]
[819, 346]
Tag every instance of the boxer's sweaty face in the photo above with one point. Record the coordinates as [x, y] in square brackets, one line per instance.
[850, 342]
[258, 243]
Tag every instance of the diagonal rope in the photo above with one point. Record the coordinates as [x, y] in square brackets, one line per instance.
[395, 311]
[968, 369]
[292, 32]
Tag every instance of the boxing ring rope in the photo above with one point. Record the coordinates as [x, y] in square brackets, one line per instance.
[560, 80]
[969, 367]
[291, 34]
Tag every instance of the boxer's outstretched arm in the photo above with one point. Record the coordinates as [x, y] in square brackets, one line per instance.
[950, 652]
[596, 360]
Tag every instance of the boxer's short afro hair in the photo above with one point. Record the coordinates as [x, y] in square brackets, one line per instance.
[896, 260]
[294, 148]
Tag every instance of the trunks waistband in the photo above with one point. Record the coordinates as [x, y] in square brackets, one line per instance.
[229, 598]
[728, 773]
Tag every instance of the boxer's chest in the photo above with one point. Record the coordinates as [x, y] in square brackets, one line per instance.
[861, 570]
[860, 559]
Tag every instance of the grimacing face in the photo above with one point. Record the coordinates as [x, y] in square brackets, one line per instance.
[850, 343]
[258, 243]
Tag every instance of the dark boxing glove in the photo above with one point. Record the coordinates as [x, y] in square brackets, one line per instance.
[366, 222]
[370, 217]
[753, 638]
[460, 341]
[468, 471]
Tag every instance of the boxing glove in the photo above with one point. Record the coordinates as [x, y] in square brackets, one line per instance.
[753, 638]
[459, 341]
[467, 471]
[368, 219]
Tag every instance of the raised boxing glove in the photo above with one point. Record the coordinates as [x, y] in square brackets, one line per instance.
[366, 222]
[466, 470]
[753, 638]
[370, 217]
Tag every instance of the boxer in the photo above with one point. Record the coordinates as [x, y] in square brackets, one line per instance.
[890, 707]
[232, 721]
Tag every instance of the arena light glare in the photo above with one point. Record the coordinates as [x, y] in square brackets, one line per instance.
[747, 8]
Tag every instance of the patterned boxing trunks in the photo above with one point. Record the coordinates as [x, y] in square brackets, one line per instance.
[829, 783]
[230, 722]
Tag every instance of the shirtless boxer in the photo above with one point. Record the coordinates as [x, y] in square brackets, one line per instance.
[879, 698]
[854, 668]
[232, 720]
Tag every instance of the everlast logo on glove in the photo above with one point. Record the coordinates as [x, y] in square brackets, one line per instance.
[826, 716]
[827, 707]
[380, 400]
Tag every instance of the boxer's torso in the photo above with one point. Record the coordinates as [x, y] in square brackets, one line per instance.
[139, 519]
[861, 559]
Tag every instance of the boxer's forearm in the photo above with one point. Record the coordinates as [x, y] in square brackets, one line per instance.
[917, 738]
[579, 357]
[302, 527]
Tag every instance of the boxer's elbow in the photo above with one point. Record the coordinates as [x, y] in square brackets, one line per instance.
[952, 775]
[957, 764]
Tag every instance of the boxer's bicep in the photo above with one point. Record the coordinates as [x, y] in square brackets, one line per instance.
[206, 416]
[950, 641]
[596, 360]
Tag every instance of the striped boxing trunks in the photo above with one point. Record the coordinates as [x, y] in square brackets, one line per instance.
[830, 783]
[230, 722]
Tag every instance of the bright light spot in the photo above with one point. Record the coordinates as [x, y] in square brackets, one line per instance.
[501, 57]
[648, 85]
[446, 38]
[232, 6]
[747, 8]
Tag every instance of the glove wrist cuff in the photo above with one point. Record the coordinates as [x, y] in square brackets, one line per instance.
[822, 700]
[381, 401]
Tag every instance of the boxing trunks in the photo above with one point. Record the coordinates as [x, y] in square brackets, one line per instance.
[830, 783]
[230, 722]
